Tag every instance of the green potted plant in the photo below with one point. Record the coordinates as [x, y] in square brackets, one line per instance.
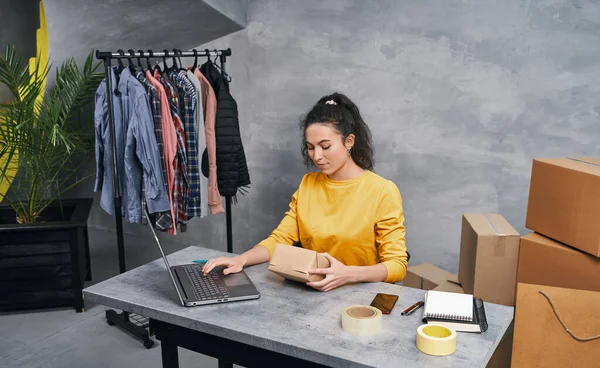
[47, 140]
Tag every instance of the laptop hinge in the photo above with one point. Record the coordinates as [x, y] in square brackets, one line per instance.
[180, 284]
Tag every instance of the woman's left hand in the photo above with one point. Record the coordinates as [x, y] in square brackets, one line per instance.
[338, 274]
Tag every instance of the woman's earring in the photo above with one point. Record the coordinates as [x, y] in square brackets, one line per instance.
[349, 151]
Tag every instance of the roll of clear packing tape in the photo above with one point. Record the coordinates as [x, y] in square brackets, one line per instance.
[361, 320]
[436, 340]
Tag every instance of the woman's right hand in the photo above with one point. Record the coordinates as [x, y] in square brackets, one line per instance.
[232, 264]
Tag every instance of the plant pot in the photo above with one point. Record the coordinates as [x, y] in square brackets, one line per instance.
[45, 264]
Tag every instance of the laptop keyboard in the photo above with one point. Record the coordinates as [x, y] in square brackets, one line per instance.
[206, 287]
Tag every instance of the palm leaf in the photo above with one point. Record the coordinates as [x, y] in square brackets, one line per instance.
[52, 136]
[14, 73]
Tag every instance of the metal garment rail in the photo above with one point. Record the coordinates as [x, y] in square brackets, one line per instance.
[112, 317]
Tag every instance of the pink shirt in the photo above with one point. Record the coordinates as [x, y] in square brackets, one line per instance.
[209, 104]
[169, 142]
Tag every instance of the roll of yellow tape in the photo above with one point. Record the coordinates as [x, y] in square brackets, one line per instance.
[361, 320]
[436, 340]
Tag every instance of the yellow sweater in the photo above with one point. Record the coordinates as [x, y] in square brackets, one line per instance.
[360, 221]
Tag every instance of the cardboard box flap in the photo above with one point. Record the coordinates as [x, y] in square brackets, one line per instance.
[589, 165]
[454, 279]
[588, 160]
[293, 258]
[490, 224]
[537, 238]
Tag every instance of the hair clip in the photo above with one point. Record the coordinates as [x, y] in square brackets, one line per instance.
[330, 102]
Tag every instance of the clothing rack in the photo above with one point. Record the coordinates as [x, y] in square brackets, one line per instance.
[112, 317]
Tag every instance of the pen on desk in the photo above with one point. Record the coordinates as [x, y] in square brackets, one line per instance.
[404, 312]
[414, 309]
[200, 261]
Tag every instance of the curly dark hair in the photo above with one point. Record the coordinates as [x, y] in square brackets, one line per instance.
[346, 119]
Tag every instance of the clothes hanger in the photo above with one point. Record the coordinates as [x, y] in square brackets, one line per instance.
[157, 66]
[150, 55]
[120, 60]
[131, 65]
[140, 56]
[165, 56]
[195, 66]
[174, 67]
[219, 69]
[179, 52]
[208, 62]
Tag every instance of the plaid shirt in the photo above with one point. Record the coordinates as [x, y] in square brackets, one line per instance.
[187, 107]
[181, 185]
[163, 219]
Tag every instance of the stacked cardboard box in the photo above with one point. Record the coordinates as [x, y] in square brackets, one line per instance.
[563, 210]
[430, 277]
[545, 261]
[564, 201]
[561, 257]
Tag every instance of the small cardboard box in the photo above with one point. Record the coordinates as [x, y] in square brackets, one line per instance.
[425, 276]
[489, 254]
[450, 287]
[564, 201]
[545, 261]
[293, 263]
[539, 338]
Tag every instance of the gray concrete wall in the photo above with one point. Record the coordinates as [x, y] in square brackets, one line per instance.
[76, 27]
[460, 95]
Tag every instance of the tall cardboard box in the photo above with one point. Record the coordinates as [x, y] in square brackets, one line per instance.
[539, 338]
[489, 254]
[564, 201]
[545, 261]
[426, 276]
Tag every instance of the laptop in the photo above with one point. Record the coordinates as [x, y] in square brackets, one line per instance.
[193, 288]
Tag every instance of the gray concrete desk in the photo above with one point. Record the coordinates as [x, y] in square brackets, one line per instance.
[290, 323]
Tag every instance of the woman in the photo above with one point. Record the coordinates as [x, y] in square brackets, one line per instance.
[345, 210]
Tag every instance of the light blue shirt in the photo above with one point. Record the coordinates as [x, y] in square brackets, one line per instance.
[138, 157]
[104, 157]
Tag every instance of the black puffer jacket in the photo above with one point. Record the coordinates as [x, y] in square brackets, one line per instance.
[232, 168]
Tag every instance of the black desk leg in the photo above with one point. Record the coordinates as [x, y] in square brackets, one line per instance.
[225, 364]
[169, 355]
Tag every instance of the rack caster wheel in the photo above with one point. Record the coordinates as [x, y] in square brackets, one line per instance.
[148, 344]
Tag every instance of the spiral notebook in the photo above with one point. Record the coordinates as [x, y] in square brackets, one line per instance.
[461, 312]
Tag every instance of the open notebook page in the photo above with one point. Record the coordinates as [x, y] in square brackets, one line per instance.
[446, 305]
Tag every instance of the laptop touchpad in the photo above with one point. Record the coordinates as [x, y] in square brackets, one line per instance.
[235, 279]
